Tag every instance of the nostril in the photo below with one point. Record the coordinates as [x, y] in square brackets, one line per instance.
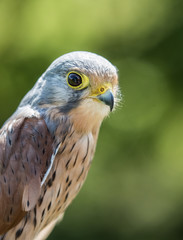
[102, 89]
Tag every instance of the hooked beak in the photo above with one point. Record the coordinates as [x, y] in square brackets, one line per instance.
[107, 98]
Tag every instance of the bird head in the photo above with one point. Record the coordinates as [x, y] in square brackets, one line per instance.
[80, 84]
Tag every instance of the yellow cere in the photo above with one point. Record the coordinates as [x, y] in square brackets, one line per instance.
[102, 89]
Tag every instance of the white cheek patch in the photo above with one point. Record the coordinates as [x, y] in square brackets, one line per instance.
[98, 108]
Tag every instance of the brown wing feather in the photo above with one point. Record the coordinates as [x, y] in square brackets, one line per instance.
[26, 147]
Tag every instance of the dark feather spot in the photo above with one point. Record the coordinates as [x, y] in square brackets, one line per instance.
[72, 147]
[9, 189]
[67, 179]
[43, 151]
[80, 174]
[12, 171]
[4, 179]
[69, 183]
[47, 163]
[59, 209]
[11, 210]
[42, 215]
[9, 141]
[53, 176]
[35, 222]
[66, 196]
[35, 211]
[63, 140]
[35, 219]
[49, 182]
[28, 203]
[49, 206]
[40, 201]
[67, 164]
[45, 190]
[58, 193]
[71, 134]
[76, 159]
[18, 233]
[62, 149]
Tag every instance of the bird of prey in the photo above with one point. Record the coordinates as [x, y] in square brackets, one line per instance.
[47, 145]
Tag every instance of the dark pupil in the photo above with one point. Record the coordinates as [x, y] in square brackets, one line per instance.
[74, 79]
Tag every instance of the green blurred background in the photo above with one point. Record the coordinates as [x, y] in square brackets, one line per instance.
[134, 190]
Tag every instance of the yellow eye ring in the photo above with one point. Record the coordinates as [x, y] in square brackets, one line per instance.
[77, 80]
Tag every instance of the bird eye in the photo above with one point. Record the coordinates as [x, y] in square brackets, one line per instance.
[77, 81]
[74, 79]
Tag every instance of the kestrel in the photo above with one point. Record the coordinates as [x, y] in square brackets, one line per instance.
[47, 145]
